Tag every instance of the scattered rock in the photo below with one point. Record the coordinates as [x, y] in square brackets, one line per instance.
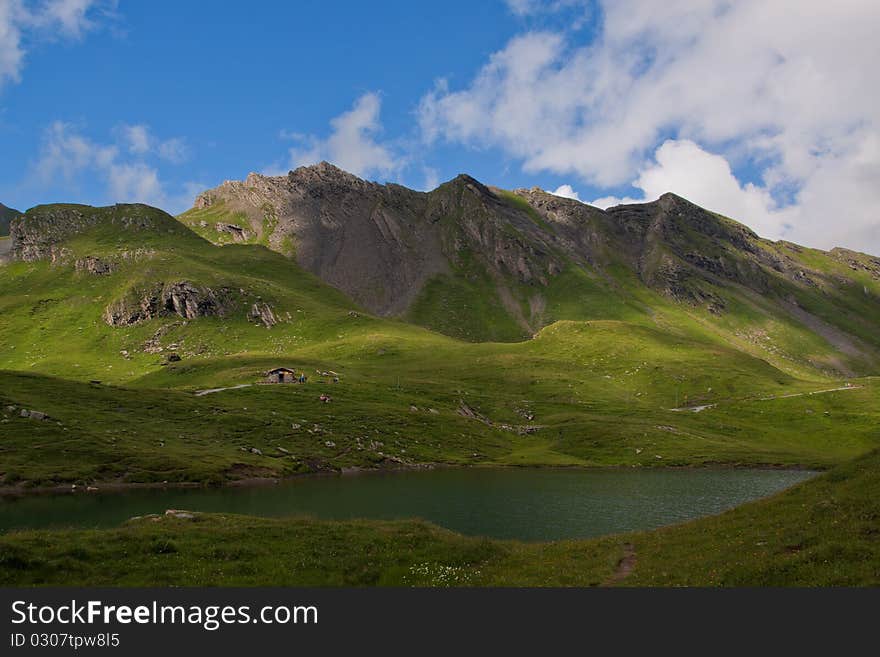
[467, 411]
[238, 233]
[94, 265]
[154, 344]
[34, 415]
[262, 312]
[180, 515]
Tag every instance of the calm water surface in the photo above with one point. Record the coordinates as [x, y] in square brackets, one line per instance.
[527, 504]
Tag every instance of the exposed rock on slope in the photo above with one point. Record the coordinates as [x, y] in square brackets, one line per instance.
[381, 243]
[262, 313]
[94, 265]
[6, 216]
[182, 299]
[40, 234]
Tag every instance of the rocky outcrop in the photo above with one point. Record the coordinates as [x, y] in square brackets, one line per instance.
[237, 233]
[41, 233]
[262, 313]
[858, 262]
[34, 415]
[6, 217]
[94, 265]
[181, 299]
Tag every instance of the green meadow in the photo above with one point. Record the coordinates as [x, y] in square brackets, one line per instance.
[629, 379]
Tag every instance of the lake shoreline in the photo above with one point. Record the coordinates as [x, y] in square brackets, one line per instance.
[259, 482]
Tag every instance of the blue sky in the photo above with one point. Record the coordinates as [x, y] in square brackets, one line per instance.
[105, 101]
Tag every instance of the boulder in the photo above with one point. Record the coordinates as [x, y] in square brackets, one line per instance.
[94, 265]
[262, 312]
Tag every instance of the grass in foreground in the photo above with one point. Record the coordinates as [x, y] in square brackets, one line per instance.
[825, 532]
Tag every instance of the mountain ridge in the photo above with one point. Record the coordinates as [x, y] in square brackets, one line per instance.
[481, 264]
[421, 255]
[538, 331]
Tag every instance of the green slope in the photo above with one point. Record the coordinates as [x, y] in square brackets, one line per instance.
[600, 367]
[595, 387]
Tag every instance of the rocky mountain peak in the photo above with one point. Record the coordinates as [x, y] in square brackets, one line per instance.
[464, 181]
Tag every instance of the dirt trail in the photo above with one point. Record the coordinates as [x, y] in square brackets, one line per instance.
[202, 393]
[815, 392]
[624, 567]
[700, 409]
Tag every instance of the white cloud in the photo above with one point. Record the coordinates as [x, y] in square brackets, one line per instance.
[70, 17]
[681, 166]
[351, 144]
[782, 86]
[66, 153]
[432, 179]
[133, 182]
[566, 191]
[11, 52]
[173, 150]
[32, 21]
[532, 7]
[139, 140]
[68, 158]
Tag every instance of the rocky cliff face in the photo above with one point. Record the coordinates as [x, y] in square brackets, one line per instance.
[42, 232]
[386, 245]
[180, 298]
[6, 217]
[381, 243]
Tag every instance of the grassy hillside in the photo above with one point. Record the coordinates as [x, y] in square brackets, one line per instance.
[106, 434]
[595, 389]
[823, 532]
[113, 320]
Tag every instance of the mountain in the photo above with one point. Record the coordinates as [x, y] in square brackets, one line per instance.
[6, 216]
[466, 325]
[481, 263]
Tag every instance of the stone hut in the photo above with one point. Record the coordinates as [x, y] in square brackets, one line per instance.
[281, 375]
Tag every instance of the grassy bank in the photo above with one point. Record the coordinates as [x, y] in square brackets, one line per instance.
[822, 532]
